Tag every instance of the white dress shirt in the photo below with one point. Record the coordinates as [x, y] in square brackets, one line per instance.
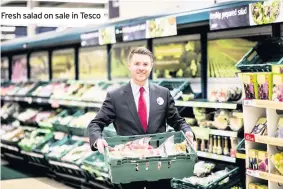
[136, 94]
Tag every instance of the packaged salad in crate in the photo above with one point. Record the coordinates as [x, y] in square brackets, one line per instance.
[209, 175]
[149, 157]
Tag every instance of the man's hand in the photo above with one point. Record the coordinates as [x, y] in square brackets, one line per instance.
[190, 137]
[101, 144]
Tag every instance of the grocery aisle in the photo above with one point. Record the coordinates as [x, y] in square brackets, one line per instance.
[15, 177]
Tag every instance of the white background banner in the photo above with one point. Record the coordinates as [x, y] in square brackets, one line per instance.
[52, 16]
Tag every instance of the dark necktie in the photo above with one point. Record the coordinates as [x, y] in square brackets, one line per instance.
[142, 109]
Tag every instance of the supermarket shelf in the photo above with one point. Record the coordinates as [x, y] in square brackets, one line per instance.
[264, 139]
[32, 154]
[264, 104]
[62, 164]
[53, 102]
[207, 104]
[215, 156]
[223, 133]
[74, 103]
[265, 176]
[13, 148]
[203, 133]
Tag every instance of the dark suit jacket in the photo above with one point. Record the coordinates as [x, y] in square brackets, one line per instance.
[120, 108]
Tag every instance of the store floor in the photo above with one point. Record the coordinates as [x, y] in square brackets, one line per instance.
[16, 178]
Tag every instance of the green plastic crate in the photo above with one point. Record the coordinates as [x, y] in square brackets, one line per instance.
[232, 175]
[261, 57]
[47, 135]
[74, 143]
[95, 166]
[152, 168]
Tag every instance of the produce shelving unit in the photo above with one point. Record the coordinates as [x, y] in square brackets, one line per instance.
[206, 104]
[253, 110]
[73, 174]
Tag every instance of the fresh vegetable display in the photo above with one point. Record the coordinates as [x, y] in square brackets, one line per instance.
[58, 151]
[236, 121]
[36, 138]
[82, 121]
[225, 94]
[6, 88]
[17, 134]
[25, 88]
[8, 109]
[77, 154]
[27, 115]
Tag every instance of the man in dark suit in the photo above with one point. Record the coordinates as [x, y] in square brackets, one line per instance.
[137, 108]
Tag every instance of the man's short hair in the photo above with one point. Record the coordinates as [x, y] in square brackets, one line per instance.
[140, 50]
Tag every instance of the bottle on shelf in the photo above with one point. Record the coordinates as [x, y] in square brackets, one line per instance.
[214, 150]
[210, 148]
[233, 147]
[197, 145]
[226, 149]
[219, 147]
[202, 145]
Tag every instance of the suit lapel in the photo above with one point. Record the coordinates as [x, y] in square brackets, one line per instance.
[129, 98]
[152, 105]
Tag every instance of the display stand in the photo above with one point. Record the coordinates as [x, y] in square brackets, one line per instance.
[253, 110]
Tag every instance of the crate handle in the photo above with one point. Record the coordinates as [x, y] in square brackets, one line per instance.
[147, 165]
[137, 167]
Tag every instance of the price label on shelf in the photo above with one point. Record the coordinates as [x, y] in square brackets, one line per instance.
[39, 100]
[249, 102]
[28, 100]
[253, 173]
[55, 104]
[17, 98]
[249, 137]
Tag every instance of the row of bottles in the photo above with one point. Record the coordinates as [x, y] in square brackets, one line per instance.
[221, 145]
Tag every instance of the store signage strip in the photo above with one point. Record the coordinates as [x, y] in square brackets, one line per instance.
[258, 13]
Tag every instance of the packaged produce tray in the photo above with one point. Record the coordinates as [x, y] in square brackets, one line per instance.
[39, 154]
[36, 138]
[95, 167]
[13, 137]
[70, 164]
[150, 168]
[59, 126]
[227, 181]
[261, 57]
[61, 148]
